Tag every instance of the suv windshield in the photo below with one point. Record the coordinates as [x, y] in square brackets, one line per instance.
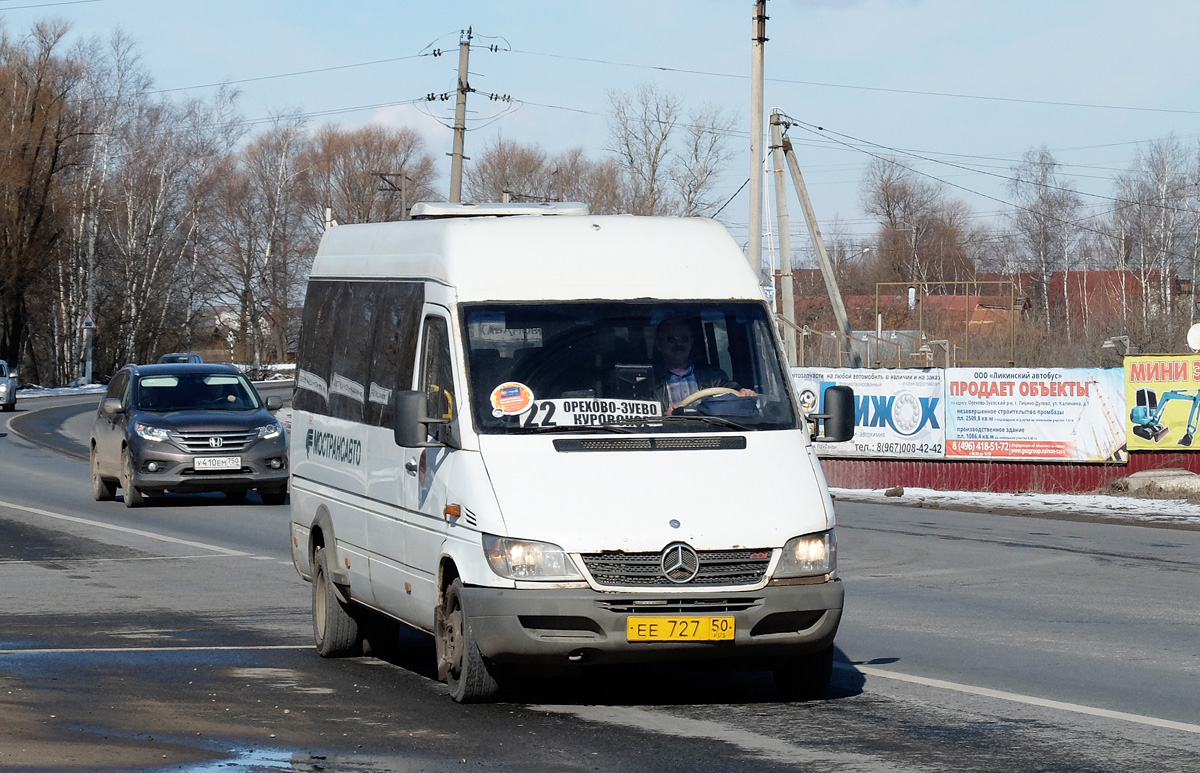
[195, 392]
[670, 367]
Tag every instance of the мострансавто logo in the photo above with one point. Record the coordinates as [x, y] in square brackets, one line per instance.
[338, 448]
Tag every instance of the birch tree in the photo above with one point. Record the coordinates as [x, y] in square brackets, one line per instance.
[1046, 221]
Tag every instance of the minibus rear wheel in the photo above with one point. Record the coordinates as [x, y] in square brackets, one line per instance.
[805, 677]
[334, 630]
[459, 660]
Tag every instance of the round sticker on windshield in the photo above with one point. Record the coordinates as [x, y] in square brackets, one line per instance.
[511, 398]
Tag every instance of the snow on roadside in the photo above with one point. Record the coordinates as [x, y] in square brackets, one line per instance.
[1178, 511]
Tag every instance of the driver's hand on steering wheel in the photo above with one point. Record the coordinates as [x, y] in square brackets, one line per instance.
[744, 392]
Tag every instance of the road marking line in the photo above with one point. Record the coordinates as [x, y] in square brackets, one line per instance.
[1027, 699]
[93, 650]
[125, 529]
[9, 561]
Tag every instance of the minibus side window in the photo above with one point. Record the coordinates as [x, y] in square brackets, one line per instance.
[395, 350]
[315, 350]
[437, 375]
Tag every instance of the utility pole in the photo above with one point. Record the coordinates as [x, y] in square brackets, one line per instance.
[460, 119]
[759, 31]
[786, 286]
[814, 232]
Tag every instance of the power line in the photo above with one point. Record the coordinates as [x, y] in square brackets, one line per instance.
[282, 74]
[47, 5]
[915, 92]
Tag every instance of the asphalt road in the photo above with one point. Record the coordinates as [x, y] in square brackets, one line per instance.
[177, 637]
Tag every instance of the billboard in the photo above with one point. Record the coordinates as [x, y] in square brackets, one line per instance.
[1055, 414]
[899, 413]
[1162, 393]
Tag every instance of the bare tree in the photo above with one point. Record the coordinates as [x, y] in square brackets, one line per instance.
[505, 169]
[112, 81]
[343, 168]
[1045, 221]
[907, 207]
[640, 129]
[700, 158]
[261, 240]
[1151, 220]
[39, 134]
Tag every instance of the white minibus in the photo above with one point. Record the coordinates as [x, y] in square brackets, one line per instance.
[553, 440]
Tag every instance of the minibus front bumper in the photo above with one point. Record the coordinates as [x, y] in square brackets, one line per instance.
[586, 626]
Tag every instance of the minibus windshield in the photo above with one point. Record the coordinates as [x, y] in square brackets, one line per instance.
[625, 366]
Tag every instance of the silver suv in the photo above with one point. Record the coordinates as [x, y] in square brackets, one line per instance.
[8, 388]
[187, 428]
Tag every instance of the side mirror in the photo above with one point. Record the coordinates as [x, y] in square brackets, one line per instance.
[410, 425]
[111, 406]
[274, 403]
[838, 419]
[13, 375]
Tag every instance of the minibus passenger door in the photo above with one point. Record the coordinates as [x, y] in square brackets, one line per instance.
[427, 469]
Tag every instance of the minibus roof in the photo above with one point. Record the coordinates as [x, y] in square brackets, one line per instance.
[537, 257]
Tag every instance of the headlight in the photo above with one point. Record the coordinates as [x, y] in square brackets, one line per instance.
[807, 556]
[146, 432]
[3, 387]
[519, 559]
[268, 431]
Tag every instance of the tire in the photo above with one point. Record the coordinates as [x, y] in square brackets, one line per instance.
[459, 660]
[132, 497]
[335, 632]
[9, 407]
[806, 677]
[273, 496]
[102, 490]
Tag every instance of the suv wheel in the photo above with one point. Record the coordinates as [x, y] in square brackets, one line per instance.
[133, 497]
[102, 490]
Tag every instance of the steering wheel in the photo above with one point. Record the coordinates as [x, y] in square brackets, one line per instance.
[703, 393]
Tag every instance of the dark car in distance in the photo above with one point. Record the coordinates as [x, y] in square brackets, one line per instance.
[179, 357]
[187, 428]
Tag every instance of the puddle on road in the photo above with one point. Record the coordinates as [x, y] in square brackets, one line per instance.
[272, 760]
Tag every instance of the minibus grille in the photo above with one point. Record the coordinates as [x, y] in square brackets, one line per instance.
[677, 606]
[221, 442]
[716, 567]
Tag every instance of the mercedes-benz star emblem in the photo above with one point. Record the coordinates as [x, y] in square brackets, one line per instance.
[216, 442]
[679, 563]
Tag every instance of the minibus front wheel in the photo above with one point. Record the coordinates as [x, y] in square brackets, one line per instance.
[459, 660]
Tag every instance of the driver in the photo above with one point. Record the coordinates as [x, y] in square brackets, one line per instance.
[675, 373]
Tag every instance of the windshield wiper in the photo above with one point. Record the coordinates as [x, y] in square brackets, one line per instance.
[619, 428]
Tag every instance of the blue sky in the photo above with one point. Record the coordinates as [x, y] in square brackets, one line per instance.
[971, 82]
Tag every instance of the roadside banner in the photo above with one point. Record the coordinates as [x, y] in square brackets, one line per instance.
[1162, 393]
[1056, 414]
[899, 412]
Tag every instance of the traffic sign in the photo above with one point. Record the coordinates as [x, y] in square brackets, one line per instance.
[89, 323]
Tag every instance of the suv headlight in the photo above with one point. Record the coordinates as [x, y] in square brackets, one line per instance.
[268, 431]
[519, 559]
[807, 556]
[146, 432]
